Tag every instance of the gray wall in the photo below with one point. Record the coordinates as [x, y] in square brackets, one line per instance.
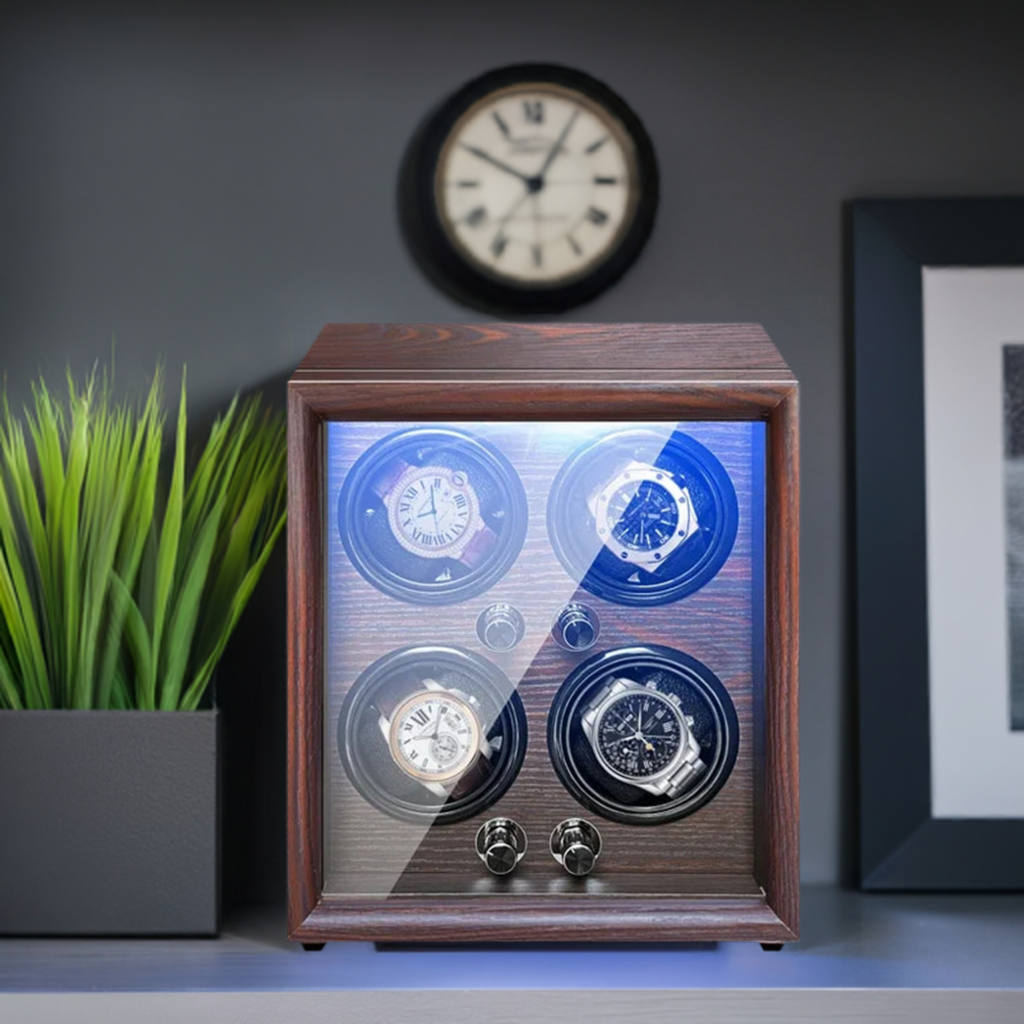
[212, 188]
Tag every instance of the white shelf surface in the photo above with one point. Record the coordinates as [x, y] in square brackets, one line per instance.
[950, 957]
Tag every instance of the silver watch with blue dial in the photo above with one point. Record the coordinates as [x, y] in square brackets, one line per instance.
[643, 514]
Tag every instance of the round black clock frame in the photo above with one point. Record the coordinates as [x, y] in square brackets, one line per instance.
[686, 463]
[364, 751]
[702, 696]
[449, 268]
[395, 570]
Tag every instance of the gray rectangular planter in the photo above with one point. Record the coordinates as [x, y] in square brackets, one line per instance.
[109, 823]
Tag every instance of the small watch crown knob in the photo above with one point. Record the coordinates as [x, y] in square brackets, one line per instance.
[576, 845]
[501, 845]
[576, 627]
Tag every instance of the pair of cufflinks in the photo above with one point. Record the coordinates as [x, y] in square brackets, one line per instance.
[574, 843]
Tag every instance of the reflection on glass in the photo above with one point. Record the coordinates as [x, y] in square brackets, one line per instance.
[510, 612]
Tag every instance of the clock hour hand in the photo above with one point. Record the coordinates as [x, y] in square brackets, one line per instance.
[501, 165]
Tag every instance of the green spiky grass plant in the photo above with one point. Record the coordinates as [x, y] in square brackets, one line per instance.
[117, 592]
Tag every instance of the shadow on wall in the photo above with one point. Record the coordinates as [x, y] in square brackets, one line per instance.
[251, 692]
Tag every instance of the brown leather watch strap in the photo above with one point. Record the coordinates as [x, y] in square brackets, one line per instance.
[479, 547]
[389, 476]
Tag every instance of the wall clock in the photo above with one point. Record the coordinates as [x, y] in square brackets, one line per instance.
[531, 189]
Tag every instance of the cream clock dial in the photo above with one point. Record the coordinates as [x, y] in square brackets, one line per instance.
[531, 189]
[537, 183]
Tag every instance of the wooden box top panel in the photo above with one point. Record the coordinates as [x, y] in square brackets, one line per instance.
[561, 347]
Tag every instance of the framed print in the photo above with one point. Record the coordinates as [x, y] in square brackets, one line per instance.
[938, 289]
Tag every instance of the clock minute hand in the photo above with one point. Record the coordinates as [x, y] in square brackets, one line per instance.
[501, 165]
[553, 152]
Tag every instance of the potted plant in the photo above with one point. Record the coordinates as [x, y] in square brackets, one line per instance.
[120, 585]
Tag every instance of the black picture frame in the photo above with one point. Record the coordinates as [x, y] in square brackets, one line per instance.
[902, 847]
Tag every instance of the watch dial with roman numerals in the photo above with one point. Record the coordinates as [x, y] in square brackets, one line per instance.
[531, 189]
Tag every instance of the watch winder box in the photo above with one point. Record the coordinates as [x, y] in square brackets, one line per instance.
[543, 635]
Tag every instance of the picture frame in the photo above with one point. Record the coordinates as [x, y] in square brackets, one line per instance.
[471, 375]
[904, 844]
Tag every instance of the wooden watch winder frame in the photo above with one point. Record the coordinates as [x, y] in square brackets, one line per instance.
[561, 372]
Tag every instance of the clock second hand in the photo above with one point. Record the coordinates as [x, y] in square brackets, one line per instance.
[515, 206]
[553, 152]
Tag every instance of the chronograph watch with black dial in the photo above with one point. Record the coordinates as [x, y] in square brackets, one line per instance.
[642, 737]
[532, 188]
[643, 734]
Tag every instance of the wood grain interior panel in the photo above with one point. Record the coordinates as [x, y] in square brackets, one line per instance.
[365, 850]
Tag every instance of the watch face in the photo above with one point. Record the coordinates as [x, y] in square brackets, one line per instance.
[434, 736]
[638, 734]
[637, 715]
[433, 511]
[432, 515]
[431, 734]
[532, 187]
[642, 517]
